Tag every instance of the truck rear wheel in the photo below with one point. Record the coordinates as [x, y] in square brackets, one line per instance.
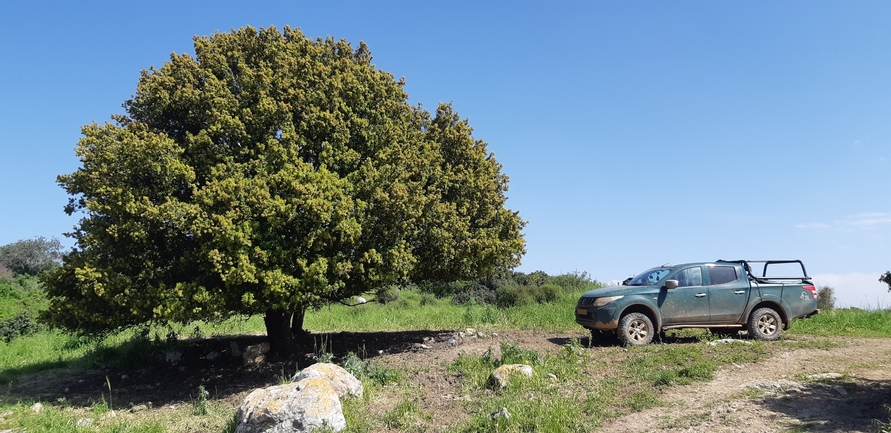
[636, 329]
[765, 324]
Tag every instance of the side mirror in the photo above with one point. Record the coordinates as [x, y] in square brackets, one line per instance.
[671, 284]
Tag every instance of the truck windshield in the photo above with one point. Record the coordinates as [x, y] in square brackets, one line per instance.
[649, 277]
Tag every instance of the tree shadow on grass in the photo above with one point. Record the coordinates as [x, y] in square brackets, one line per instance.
[169, 374]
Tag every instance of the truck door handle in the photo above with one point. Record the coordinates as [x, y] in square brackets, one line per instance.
[739, 292]
[700, 295]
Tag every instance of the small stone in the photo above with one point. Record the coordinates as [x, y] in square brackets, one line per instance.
[424, 346]
[503, 413]
[212, 356]
[139, 408]
[361, 300]
[37, 407]
[552, 376]
[494, 334]
[85, 422]
[470, 332]
[841, 391]
[124, 377]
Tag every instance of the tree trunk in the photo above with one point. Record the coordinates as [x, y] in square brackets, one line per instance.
[297, 330]
[278, 329]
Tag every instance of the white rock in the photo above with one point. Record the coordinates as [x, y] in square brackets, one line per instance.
[502, 374]
[343, 382]
[292, 408]
[37, 407]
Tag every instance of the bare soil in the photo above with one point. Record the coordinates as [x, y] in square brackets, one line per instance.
[776, 394]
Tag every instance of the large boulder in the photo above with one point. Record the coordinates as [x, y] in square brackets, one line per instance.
[343, 382]
[301, 406]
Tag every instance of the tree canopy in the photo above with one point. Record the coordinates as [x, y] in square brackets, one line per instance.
[267, 174]
[31, 256]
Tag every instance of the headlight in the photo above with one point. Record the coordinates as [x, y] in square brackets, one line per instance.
[600, 302]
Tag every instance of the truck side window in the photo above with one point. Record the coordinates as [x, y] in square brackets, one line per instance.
[722, 274]
[689, 277]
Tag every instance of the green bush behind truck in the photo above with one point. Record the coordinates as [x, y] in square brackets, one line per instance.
[724, 296]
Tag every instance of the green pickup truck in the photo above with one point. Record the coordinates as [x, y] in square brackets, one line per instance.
[724, 296]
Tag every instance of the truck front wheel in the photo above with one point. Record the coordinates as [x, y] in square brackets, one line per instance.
[636, 329]
[765, 324]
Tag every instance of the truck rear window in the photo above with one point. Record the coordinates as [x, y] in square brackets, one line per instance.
[722, 274]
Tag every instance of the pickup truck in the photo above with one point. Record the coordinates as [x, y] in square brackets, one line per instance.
[725, 296]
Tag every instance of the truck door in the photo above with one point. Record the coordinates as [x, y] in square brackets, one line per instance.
[728, 293]
[688, 303]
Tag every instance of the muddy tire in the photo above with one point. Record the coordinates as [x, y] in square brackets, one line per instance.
[636, 329]
[765, 324]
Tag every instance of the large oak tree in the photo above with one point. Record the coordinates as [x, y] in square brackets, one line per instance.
[268, 174]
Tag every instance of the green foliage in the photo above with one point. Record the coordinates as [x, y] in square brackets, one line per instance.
[21, 294]
[515, 296]
[273, 174]
[31, 256]
[826, 298]
[199, 405]
[367, 369]
[19, 325]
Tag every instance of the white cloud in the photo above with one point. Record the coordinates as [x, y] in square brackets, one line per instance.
[864, 221]
[861, 290]
[869, 220]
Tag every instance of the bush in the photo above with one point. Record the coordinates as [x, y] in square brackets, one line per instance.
[18, 326]
[573, 281]
[517, 296]
[479, 293]
[826, 298]
[387, 294]
[513, 296]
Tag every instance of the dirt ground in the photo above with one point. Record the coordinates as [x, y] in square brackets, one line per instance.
[777, 394]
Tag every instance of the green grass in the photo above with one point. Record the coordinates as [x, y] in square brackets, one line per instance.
[846, 322]
[573, 388]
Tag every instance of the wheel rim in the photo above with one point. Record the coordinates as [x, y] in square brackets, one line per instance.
[767, 324]
[638, 330]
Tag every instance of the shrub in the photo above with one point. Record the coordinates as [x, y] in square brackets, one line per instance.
[825, 298]
[547, 293]
[513, 296]
[573, 281]
[387, 294]
[17, 326]
[479, 293]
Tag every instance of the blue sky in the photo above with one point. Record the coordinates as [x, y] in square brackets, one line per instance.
[634, 133]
